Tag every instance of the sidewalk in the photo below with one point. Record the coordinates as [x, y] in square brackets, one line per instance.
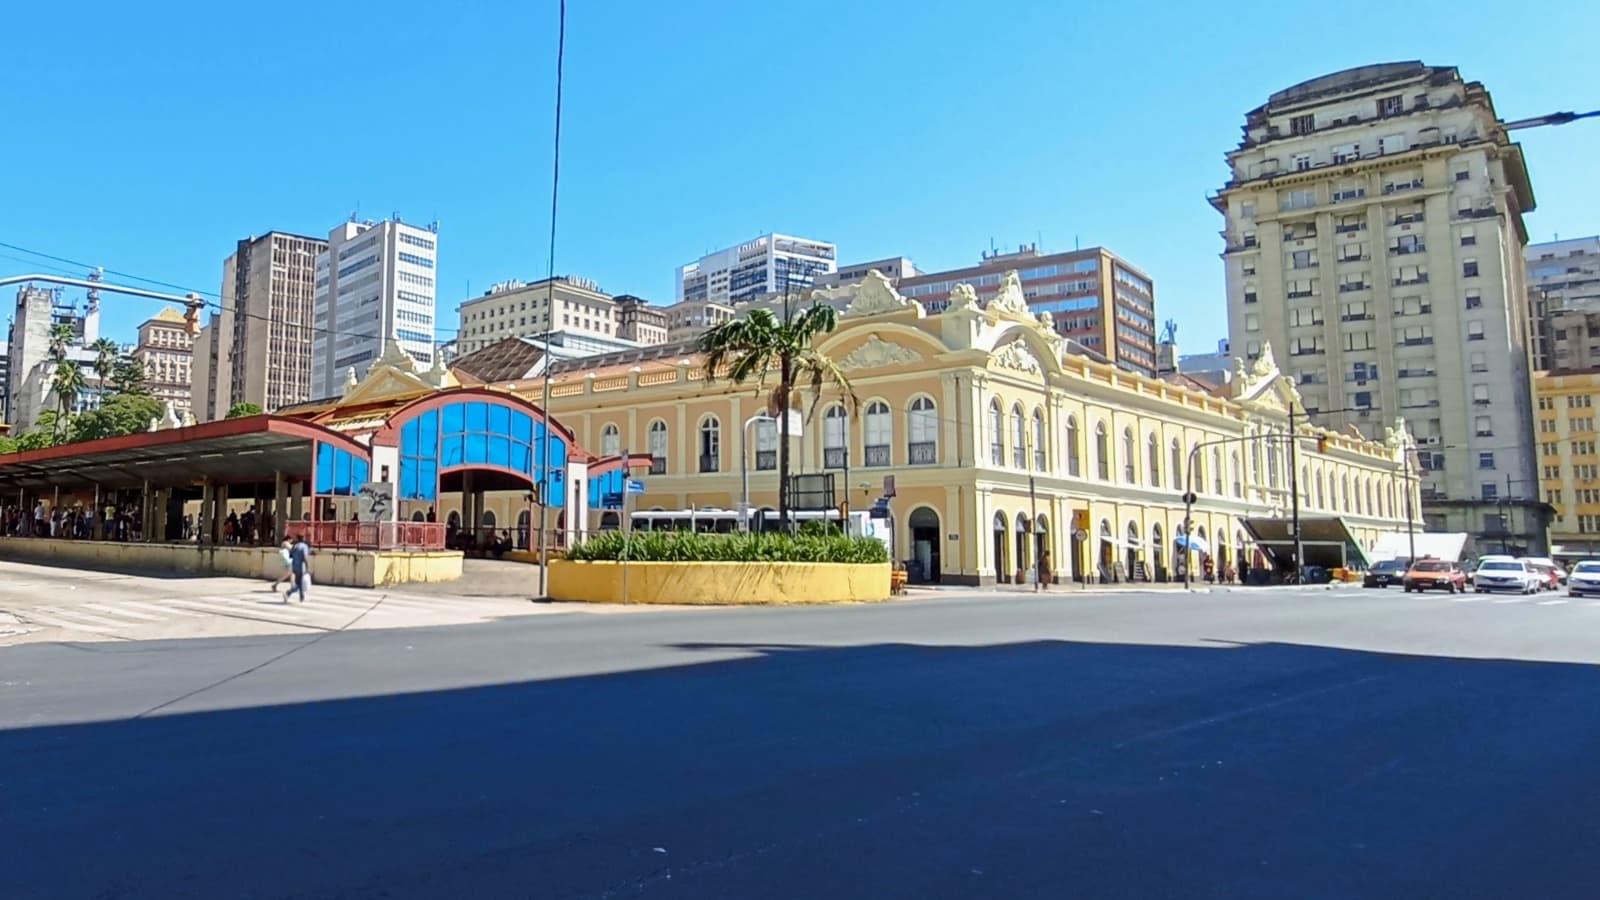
[1073, 589]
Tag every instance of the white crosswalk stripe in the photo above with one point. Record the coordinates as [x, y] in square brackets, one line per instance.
[1553, 602]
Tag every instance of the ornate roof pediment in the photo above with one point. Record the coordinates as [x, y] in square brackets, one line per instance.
[877, 352]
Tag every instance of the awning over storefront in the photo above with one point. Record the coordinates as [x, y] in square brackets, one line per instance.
[1327, 542]
[1439, 545]
[232, 451]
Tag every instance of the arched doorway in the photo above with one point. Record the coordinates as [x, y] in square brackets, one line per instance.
[523, 524]
[610, 521]
[417, 516]
[1108, 552]
[924, 525]
[1024, 553]
[1041, 546]
[1077, 556]
[1131, 552]
[1158, 553]
[1202, 552]
[1002, 572]
[452, 523]
[1241, 556]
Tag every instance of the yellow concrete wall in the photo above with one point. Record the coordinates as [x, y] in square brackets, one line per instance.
[719, 583]
[351, 568]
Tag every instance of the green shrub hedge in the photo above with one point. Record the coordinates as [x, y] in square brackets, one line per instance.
[688, 546]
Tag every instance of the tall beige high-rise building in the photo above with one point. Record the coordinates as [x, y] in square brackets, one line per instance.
[515, 309]
[1564, 292]
[1374, 238]
[261, 340]
[166, 351]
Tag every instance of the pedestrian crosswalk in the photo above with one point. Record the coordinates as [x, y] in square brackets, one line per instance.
[330, 609]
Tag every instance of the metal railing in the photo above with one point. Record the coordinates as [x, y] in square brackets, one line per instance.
[923, 453]
[373, 535]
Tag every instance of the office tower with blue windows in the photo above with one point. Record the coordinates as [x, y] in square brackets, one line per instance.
[376, 280]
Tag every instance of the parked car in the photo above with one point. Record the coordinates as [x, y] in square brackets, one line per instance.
[1382, 574]
[1506, 574]
[1584, 579]
[1435, 573]
[1550, 569]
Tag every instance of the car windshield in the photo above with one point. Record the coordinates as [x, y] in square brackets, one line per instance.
[1588, 568]
[1433, 566]
[1501, 567]
[1391, 565]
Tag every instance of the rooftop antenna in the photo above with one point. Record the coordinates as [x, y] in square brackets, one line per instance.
[1169, 332]
[1075, 244]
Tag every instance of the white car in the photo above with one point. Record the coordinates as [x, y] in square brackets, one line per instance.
[1584, 579]
[1506, 575]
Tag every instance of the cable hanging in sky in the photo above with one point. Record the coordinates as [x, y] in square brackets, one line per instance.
[555, 193]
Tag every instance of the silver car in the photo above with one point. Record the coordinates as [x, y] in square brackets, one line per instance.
[1584, 578]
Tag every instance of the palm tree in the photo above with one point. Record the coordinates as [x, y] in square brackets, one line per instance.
[61, 337]
[68, 383]
[105, 361]
[749, 348]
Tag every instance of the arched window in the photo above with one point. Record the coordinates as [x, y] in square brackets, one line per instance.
[1040, 457]
[1152, 451]
[710, 444]
[1305, 486]
[610, 440]
[1216, 471]
[1238, 475]
[1130, 457]
[766, 444]
[1272, 463]
[877, 428]
[835, 453]
[1019, 439]
[1255, 464]
[922, 427]
[997, 450]
[1321, 498]
[1344, 493]
[1366, 487]
[658, 447]
[1178, 474]
[1102, 452]
[1074, 462]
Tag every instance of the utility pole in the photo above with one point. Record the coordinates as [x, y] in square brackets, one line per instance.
[1294, 497]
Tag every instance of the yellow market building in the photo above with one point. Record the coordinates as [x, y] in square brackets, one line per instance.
[1566, 404]
[1004, 442]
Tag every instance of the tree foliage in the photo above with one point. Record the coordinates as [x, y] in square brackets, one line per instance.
[127, 376]
[750, 348]
[120, 414]
[758, 547]
[241, 410]
[105, 360]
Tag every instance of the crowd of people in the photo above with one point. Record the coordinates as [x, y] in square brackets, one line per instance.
[77, 522]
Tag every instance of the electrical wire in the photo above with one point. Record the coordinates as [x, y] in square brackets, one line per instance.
[555, 194]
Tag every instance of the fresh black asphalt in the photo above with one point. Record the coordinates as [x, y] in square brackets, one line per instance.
[1242, 745]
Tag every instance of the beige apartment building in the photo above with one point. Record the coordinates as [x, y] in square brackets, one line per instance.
[259, 345]
[1374, 234]
[1569, 459]
[1564, 294]
[1095, 297]
[166, 353]
[640, 322]
[515, 309]
[688, 319]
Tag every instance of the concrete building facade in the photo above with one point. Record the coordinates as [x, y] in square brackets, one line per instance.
[30, 366]
[687, 320]
[640, 322]
[1564, 297]
[1094, 296]
[1374, 235]
[768, 264]
[374, 281]
[1569, 459]
[259, 345]
[893, 268]
[514, 309]
[166, 353]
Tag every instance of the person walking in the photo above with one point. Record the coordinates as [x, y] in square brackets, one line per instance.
[299, 563]
[1042, 583]
[285, 553]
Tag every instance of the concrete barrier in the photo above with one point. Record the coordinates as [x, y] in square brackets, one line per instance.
[718, 583]
[353, 568]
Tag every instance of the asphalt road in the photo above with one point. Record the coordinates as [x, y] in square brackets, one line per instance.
[1241, 745]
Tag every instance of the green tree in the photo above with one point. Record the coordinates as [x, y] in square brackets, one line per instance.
[8, 444]
[120, 414]
[240, 410]
[67, 383]
[40, 437]
[127, 376]
[751, 347]
[61, 337]
[105, 360]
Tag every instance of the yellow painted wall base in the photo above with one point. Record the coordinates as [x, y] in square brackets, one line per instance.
[719, 583]
[352, 568]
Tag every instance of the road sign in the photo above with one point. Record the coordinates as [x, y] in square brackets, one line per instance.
[611, 501]
[635, 487]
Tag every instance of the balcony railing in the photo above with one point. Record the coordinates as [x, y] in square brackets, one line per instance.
[1349, 229]
[1420, 279]
[709, 462]
[835, 457]
[1407, 219]
[923, 453]
[376, 535]
[1348, 287]
[766, 460]
[877, 455]
[658, 466]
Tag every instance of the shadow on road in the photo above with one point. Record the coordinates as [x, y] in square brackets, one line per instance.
[1047, 769]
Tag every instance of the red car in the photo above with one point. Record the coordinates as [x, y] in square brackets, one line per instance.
[1435, 573]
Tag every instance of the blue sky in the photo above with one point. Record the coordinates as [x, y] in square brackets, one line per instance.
[148, 138]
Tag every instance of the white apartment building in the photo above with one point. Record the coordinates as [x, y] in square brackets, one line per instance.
[769, 264]
[515, 309]
[376, 280]
[1374, 238]
[688, 319]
